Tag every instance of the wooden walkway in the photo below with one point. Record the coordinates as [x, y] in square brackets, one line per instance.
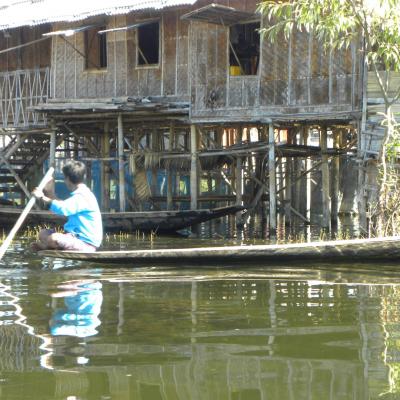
[356, 250]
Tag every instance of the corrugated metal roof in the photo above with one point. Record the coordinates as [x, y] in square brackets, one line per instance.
[34, 12]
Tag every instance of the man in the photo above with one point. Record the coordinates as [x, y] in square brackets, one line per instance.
[83, 230]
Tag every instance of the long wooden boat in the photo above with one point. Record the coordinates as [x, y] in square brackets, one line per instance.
[146, 221]
[356, 250]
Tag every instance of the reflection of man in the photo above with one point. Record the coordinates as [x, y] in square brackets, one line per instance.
[79, 317]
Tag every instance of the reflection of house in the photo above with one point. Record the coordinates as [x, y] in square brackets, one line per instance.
[227, 338]
[150, 94]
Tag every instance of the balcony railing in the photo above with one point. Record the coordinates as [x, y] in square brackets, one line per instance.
[19, 91]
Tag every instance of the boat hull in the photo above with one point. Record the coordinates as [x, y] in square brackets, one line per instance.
[147, 221]
[357, 250]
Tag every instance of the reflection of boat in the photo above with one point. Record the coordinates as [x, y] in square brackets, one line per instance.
[357, 250]
[156, 221]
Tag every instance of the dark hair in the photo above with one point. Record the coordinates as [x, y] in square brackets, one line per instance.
[74, 171]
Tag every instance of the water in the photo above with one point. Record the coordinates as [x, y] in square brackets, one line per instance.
[87, 331]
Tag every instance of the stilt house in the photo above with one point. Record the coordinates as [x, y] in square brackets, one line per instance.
[178, 103]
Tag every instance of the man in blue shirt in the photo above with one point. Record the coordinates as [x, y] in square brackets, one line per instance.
[83, 230]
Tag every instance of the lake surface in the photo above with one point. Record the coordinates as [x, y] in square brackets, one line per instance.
[87, 331]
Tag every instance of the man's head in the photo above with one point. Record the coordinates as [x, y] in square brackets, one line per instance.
[74, 172]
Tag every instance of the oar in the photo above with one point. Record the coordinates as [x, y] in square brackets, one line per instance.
[24, 213]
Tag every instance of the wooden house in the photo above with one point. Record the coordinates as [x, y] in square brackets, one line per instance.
[178, 102]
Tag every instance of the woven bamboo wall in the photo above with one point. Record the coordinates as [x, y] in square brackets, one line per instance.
[123, 77]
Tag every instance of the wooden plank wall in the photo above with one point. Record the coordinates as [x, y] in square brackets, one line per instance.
[373, 86]
[30, 57]
[375, 98]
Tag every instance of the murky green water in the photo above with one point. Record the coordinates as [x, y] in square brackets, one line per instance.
[177, 332]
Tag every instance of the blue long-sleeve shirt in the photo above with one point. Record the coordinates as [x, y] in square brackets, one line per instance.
[84, 217]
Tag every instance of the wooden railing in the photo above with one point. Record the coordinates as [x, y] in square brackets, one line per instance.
[19, 91]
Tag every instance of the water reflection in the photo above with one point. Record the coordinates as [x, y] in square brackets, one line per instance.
[79, 315]
[226, 334]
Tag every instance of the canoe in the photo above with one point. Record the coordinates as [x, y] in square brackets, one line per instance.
[146, 221]
[356, 250]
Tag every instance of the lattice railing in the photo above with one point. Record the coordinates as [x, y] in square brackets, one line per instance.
[19, 91]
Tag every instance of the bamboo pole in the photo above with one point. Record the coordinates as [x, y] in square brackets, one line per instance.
[121, 169]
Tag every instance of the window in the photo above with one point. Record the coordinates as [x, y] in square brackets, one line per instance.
[244, 49]
[95, 48]
[148, 44]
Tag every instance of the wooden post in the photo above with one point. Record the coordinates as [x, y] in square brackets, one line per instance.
[136, 139]
[298, 170]
[154, 170]
[326, 203]
[272, 180]
[121, 166]
[193, 168]
[105, 170]
[335, 179]
[53, 145]
[307, 208]
[169, 172]
[89, 172]
[219, 142]
[239, 178]
[288, 184]
[279, 182]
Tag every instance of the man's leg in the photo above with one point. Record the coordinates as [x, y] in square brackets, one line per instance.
[43, 242]
[67, 241]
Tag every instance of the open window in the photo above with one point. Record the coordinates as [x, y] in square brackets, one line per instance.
[148, 44]
[95, 48]
[244, 45]
[244, 49]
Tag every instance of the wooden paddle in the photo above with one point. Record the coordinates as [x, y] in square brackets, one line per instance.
[24, 213]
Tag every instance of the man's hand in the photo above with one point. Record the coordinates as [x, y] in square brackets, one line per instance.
[39, 195]
[49, 189]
